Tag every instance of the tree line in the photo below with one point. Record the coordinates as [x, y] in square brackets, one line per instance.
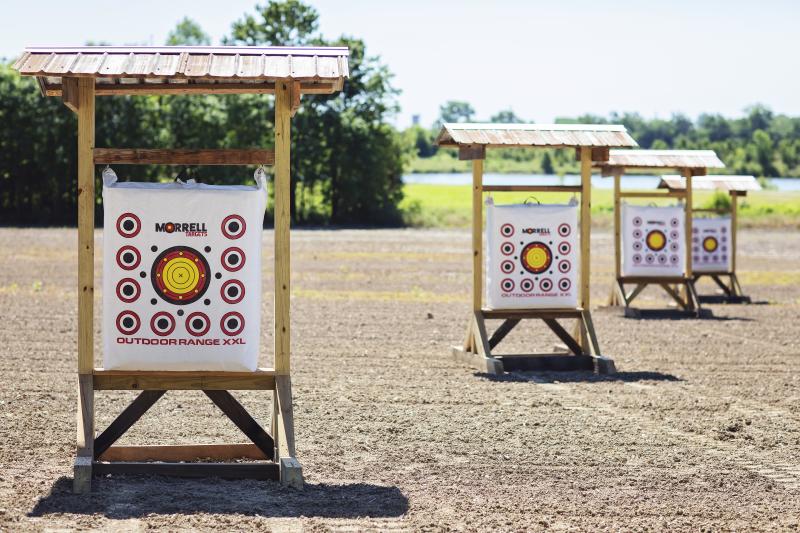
[347, 161]
[760, 142]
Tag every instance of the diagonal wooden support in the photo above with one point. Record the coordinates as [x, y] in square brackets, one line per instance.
[675, 296]
[634, 293]
[239, 416]
[586, 317]
[565, 337]
[126, 419]
[721, 285]
[501, 332]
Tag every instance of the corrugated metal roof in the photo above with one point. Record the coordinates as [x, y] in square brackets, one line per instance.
[544, 135]
[171, 65]
[712, 183]
[663, 159]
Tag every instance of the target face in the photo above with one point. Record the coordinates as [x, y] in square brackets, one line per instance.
[650, 237]
[710, 252]
[233, 226]
[233, 259]
[656, 240]
[536, 257]
[128, 322]
[180, 275]
[162, 324]
[197, 324]
[128, 290]
[231, 323]
[232, 291]
[129, 225]
[128, 258]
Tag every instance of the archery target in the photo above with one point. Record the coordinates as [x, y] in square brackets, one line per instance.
[711, 244]
[531, 256]
[652, 241]
[200, 247]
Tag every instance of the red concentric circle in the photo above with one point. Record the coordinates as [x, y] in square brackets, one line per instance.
[546, 284]
[536, 257]
[231, 323]
[128, 258]
[128, 290]
[507, 285]
[506, 230]
[233, 259]
[128, 322]
[232, 291]
[564, 248]
[162, 324]
[564, 284]
[507, 248]
[526, 285]
[128, 225]
[197, 324]
[564, 230]
[507, 267]
[180, 275]
[233, 226]
[564, 266]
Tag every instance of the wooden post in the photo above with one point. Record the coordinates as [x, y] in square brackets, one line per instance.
[283, 102]
[586, 228]
[734, 228]
[617, 224]
[477, 234]
[85, 415]
[687, 174]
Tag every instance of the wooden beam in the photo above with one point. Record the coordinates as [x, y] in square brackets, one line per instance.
[501, 332]
[246, 423]
[259, 471]
[617, 223]
[291, 472]
[177, 156]
[532, 188]
[642, 194]
[530, 313]
[585, 242]
[471, 152]
[687, 174]
[565, 337]
[477, 234]
[145, 89]
[282, 220]
[86, 205]
[127, 418]
[82, 478]
[734, 229]
[183, 452]
[296, 93]
[69, 94]
[599, 154]
[261, 379]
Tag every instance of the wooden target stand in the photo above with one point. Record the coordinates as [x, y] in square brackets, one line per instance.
[680, 288]
[581, 346]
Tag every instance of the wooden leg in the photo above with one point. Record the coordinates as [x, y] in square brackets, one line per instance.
[565, 337]
[501, 332]
[469, 341]
[634, 293]
[675, 296]
[587, 321]
[82, 480]
[725, 289]
[126, 419]
[290, 469]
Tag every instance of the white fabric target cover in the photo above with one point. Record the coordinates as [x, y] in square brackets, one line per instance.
[711, 246]
[181, 275]
[532, 257]
[653, 241]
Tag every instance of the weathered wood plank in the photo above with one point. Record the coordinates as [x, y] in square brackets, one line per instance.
[262, 379]
[565, 337]
[533, 188]
[260, 471]
[501, 332]
[86, 205]
[180, 156]
[282, 217]
[127, 418]
[166, 89]
[246, 423]
[183, 452]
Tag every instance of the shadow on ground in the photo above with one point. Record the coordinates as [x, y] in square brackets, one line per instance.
[577, 377]
[126, 497]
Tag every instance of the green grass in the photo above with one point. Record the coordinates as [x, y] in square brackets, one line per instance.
[450, 205]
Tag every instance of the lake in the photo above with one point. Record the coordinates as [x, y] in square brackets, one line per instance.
[631, 182]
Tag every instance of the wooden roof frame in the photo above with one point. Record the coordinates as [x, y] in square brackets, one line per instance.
[718, 182]
[679, 160]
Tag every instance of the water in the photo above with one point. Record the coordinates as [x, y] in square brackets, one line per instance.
[629, 182]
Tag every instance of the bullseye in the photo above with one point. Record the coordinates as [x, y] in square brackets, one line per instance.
[656, 240]
[162, 324]
[180, 275]
[128, 290]
[197, 324]
[233, 226]
[536, 257]
[233, 259]
[710, 244]
[128, 225]
[232, 291]
[128, 257]
[128, 322]
[231, 323]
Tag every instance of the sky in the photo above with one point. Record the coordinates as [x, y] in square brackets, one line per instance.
[543, 60]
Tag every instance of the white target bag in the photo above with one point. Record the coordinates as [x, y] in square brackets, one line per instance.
[532, 256]
[182, 275]
[711, 245]
[653, 241]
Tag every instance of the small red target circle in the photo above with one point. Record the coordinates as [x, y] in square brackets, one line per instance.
[507, 248]
[162, 324]
[564, 284]
[564, 230]
[507, 267]
[231, 323]
[546, 284]
[128, 257]
[233, 259]
[232, 291]
[506, 230]
[197, 324]
[128, 290]
[526, 285]
[564, 266]
[507, 284]
[564, 248]
[233, 226]
[128, 322]
[128, 225]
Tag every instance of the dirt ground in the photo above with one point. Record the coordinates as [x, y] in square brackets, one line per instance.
[700, 430]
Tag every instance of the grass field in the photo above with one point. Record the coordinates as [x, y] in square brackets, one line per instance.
[427, 205]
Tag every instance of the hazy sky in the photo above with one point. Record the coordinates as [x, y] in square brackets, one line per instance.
[541, 59]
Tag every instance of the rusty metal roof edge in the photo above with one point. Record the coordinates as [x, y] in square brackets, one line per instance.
[333, 51]
[533, 127]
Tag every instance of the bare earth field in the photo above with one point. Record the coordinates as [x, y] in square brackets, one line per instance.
[699, 431]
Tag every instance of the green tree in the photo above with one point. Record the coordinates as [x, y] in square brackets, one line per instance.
[456, 111]
[188, 33]
[506, 116]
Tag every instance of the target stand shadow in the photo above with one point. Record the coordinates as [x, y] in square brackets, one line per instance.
[591, 143]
